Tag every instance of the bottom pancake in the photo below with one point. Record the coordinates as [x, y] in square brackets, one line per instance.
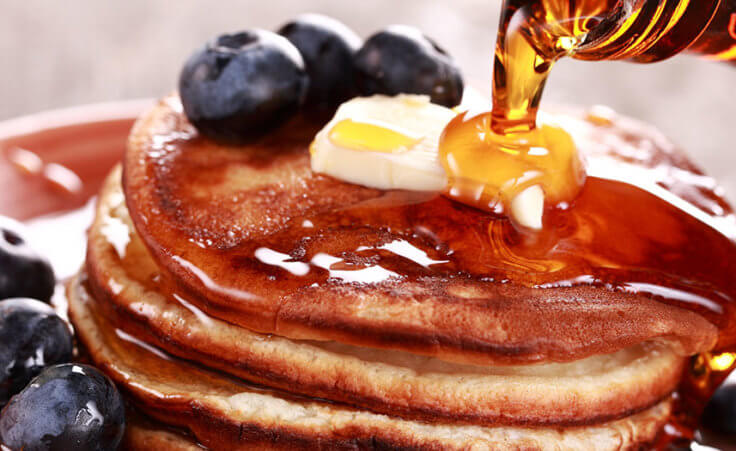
[225, 413]
[144, 435]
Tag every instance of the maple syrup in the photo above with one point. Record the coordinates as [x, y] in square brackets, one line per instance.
[532, 36]
[489, 170]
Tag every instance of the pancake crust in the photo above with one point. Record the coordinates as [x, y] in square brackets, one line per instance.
[142, 435]
[223, 413]
[203, 210]
[122, 274]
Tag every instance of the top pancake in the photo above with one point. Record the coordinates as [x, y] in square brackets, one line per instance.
[253, 237]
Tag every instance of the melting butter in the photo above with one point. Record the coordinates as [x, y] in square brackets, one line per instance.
[495, 172]
[384, 142]
[373, 136]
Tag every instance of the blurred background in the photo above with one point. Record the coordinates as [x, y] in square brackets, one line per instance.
[58, 54]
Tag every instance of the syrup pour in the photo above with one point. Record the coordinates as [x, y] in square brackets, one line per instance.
[533, 35]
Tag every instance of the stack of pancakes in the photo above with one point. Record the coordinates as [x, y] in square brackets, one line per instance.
[242, 301]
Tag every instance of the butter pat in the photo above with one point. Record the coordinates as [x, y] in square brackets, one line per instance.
[373, 136]
[527, 208]
[384, 142]
[393, 143]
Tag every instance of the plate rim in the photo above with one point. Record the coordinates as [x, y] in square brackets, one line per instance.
[74, 115]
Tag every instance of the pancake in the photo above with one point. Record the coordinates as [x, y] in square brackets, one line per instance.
[223, 413]
[136, 298]
[144, 435]
[251, 236]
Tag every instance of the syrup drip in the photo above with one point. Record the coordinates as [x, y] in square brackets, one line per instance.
[705, 374]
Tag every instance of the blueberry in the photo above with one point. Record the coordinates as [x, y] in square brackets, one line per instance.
[67, 407]
[23, 273]
[32, 336]
[328, 47]
[720, 412]
[240, 86]
[400, 59]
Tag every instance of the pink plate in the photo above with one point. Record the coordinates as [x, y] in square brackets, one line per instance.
[55, 161]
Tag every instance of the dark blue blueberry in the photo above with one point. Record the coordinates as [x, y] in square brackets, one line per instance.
[67, 407]
[240, 86]
[720, 412]
[32, 336]
[400, 59]
[328, 47]
[23, 273]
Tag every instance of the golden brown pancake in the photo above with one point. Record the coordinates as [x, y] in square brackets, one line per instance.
[135, 297]
[142, 434]
[251, 236]
[223, 413]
